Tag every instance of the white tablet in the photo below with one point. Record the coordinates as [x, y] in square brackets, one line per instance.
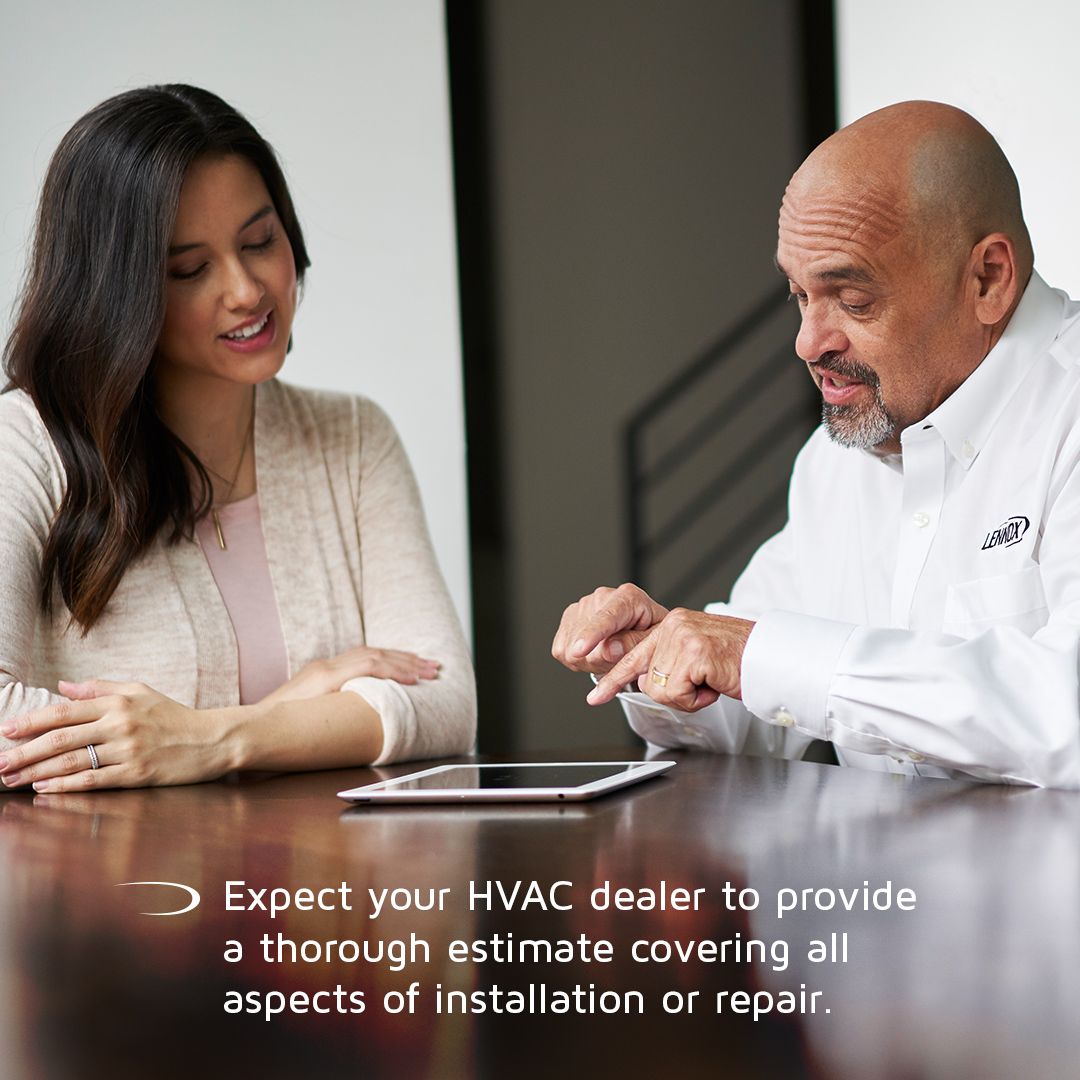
[525, 782]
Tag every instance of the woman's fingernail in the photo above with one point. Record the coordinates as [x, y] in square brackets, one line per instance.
[11, 780]
[9, 730]
[593, 694]
[615, 650]
[41, 785]
[4, 760]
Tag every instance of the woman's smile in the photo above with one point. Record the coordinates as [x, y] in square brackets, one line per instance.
[252, 335]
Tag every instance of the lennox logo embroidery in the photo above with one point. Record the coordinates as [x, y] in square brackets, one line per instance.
[1006, 534]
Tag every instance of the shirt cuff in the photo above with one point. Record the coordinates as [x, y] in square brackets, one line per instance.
[395, 710]
[788, 667]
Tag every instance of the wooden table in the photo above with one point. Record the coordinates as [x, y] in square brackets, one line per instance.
[980, 980]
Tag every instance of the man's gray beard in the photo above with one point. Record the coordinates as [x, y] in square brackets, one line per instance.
[858, 427]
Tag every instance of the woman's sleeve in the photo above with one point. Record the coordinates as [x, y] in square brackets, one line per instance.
[30, 495]
[406, 606]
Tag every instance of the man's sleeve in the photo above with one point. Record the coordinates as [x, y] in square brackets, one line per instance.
[727, 726]
[1000, 703]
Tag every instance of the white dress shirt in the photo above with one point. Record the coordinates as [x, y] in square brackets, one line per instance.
[922, 612]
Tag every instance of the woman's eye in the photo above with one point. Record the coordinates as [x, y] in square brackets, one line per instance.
[261, 245]
[187, 275]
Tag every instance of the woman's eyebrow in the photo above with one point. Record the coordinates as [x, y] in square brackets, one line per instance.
[179, 249]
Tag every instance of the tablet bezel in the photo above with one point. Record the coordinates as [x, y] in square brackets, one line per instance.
[385, 791]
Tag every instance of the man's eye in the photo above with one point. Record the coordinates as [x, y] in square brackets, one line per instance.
[856, 309]
[798, 297]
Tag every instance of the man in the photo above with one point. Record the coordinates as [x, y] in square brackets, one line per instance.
[921, 608]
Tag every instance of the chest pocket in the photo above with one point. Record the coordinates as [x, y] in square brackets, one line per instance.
[1015, 599]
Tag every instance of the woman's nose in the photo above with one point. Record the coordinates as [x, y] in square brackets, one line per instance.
[243, 290]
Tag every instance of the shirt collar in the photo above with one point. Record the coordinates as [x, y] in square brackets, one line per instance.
[965, 419]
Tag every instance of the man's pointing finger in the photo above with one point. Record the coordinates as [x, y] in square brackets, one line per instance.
[634, 663]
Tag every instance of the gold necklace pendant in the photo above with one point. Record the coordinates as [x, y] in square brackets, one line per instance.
[232, 483]
[217, 529]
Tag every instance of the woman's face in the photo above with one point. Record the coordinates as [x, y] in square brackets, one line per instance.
[231, 279]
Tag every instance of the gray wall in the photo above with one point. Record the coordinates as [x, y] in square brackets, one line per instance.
[639, 152]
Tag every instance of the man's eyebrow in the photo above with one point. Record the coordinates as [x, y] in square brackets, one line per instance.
[259, 214]
[854, 274]
[845, 273]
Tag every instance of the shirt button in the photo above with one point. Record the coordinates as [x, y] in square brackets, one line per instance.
[783, 717]
[916, 756]
[969, 450]
[920, 519]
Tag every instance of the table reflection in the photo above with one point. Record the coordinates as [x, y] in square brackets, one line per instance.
[979, 980]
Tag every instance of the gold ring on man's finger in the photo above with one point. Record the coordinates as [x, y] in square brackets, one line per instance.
[660, 677]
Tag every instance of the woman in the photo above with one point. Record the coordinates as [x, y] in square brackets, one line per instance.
[216, 570]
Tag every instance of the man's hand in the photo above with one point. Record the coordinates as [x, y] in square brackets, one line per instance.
[604, 626]
[687, 662]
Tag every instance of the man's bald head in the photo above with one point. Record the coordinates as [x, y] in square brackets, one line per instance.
[931, 171]
[903, 240]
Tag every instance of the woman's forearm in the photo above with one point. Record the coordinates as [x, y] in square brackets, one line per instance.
[325, 732]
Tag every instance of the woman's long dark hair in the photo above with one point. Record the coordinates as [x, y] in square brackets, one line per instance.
[89, 319]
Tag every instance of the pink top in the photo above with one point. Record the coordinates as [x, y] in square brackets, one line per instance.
[242, 575]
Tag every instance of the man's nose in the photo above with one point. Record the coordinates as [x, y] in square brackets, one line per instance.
[819, 335]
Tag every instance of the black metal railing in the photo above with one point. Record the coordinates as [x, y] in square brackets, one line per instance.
[725, 427]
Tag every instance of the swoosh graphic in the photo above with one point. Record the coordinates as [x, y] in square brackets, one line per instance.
[192, 893]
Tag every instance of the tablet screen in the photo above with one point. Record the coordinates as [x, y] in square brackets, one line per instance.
[519, 781]
[512, 776]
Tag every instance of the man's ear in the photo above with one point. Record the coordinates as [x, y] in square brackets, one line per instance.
[994, 278]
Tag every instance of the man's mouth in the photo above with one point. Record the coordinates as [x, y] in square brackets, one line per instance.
[838, 388]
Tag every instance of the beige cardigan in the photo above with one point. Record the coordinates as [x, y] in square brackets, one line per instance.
[350, 561]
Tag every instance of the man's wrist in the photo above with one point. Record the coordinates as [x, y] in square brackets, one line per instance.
[740, 630]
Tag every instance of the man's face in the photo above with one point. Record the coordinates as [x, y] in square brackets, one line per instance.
[883, 332]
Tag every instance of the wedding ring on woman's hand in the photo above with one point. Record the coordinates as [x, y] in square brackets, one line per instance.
[660, 677]
[94, 763]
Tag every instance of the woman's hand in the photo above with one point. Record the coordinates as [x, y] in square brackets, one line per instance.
[140, 738]
[327, 676]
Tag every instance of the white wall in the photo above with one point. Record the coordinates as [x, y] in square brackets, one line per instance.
[1014, 68]
[354, 97]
